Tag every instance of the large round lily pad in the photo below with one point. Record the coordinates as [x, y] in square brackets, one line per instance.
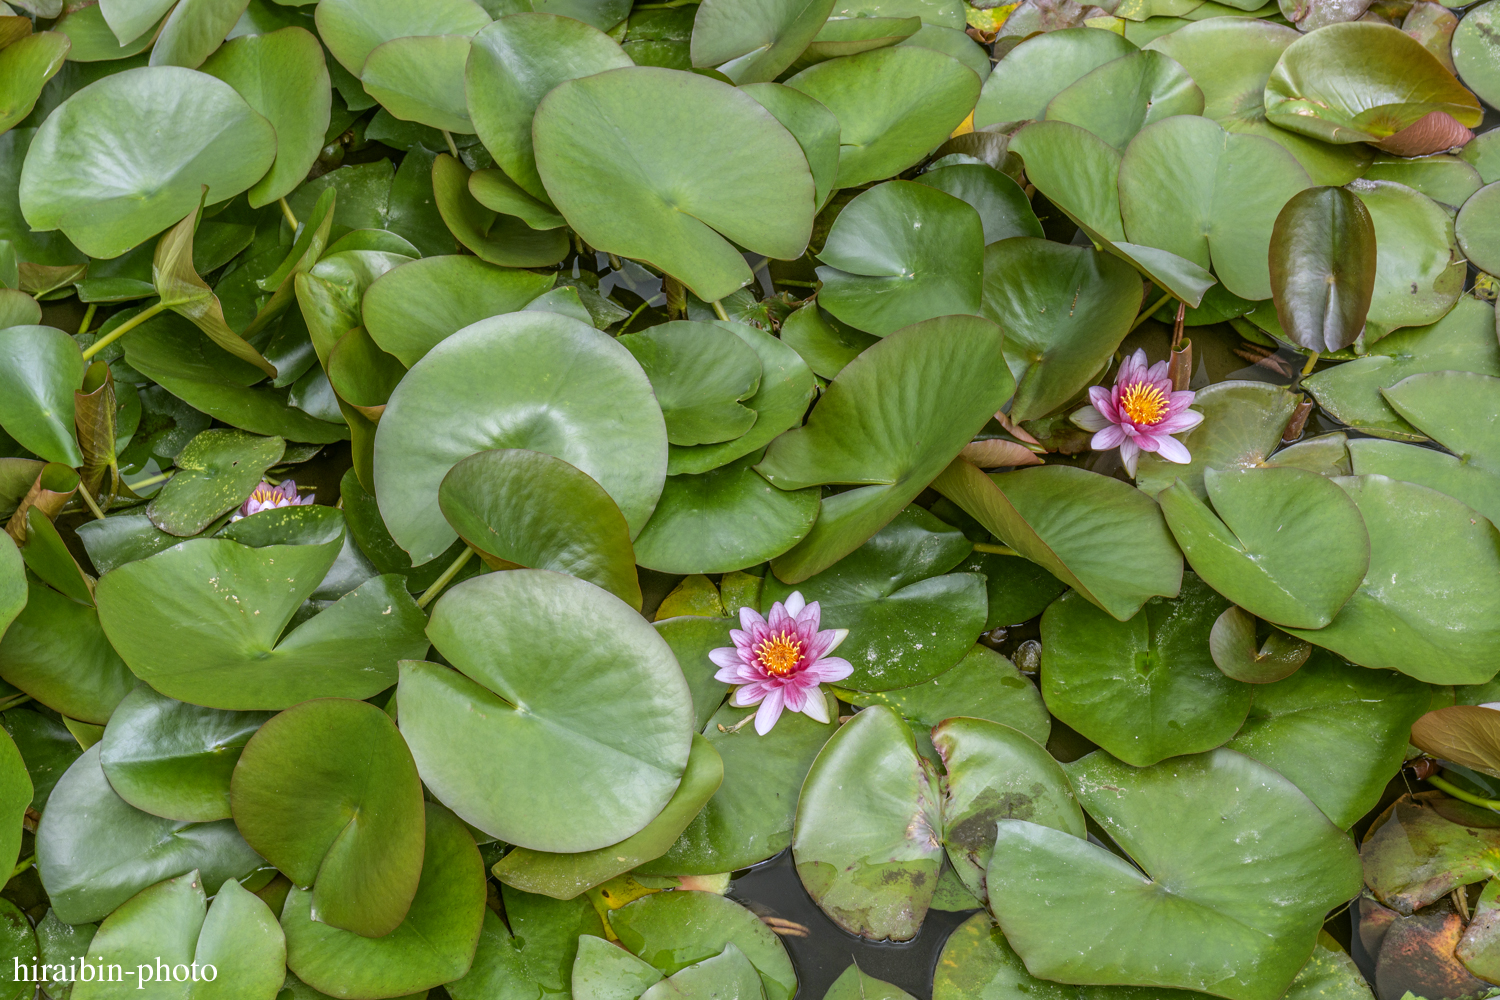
[534, 380]
[1116, 100]
[353, 28]
[128, 156]
[572, 707]
[672, 189]
[1242, 425]
[1415, 245]
[1239, 871]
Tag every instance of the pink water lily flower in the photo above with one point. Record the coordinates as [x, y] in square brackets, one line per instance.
[779, 663]
[1140, 413]
[266, 497]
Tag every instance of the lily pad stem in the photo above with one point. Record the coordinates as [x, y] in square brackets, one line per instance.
[163, 477]
[452, 146]
[631, 318]
[996, 550]
[1146, 313]
[448, 574]
[88, 317]
[719, 311]
[123, 329]
[1463, 796]
[26, 863]
[88, 498]
[1312, 359]
[286, 210]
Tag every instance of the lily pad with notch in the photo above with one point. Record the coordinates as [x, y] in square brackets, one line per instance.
[217, 470]
[1242, 425]
[40, 369]
[700, 373]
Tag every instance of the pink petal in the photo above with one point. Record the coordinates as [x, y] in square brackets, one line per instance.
[1105, 403]
[769, 712]
[829, 669]
[749, 618]
[750, 694]
[1173, 450]
[1130, 452]
[778, 620]
[1148, 442]
[795, 603]
[1157, 372]
[1180, 422]
[1108, 438]
[794, 696]
[1090, 419]
[1179, 401]
[726, 656]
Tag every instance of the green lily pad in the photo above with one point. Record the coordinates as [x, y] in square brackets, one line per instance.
[672, 930]
[1075, 911]
[283, 76]
[1361, 82]
[47, 555]
[1019, 589]
[824, 342]
[1419, 248]
[786, 388]
[499, 239]
[217, 470]
[548, 934]
[1323, 268]
[12, 584]
[849, 36]
[889, 442]
[488, 387]
[1459, 422]
[671, 191]
[815, 128]
[1144, 689]
[1240, 654]
[55, 651]
[26, 65]
[1463, 340]
[699, 373]
[749, 819]
[59, 944]
[353, 28]
[95, 851]
[901, 253]
[868, 841]
[996, 773]
[909, 619]
[1003, 207]
[1415, 854]
[497, 192]
[1064, 311]
[724, 519]
[1189, 187]
[421, 79]
[172, 924]
[1242, 425]
[728, 974]
[352, 763]
[172, 759]
[433, 945]
[983, 685]
[1478, 229]
[894, 105]
[166, 616]
[1337, 731]
[514, 63]
[755, 43]
[614, 741]
[1101, 536]
[1448, 180]
[853, 984]
[1426, 607]
[1298, 577]
[565, 876]
[1116, 100]
[108, 187]
[40, 369]
[526, 508]
[692, 637]
[954, 43]
[1040, 68]
[16, 793]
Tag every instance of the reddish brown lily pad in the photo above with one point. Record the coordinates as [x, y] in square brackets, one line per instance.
[1417, 958]
[1434, 132]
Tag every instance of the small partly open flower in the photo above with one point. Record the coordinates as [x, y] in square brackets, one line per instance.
[778, 662]
[1140, 413]
[266, 496]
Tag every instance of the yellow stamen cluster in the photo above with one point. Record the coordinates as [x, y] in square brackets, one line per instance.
[265, 496]
[780, 654]
[1144, 403]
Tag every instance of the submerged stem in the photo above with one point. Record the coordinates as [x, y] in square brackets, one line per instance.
[1463, 796]
[88, 317]
[448, 574]
[997, 550]
[26, 863]
[122, 329]
[631, 318]
[1146, 313]
[286, 210]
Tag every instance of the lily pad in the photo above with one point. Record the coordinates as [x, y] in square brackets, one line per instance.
[420, 79]
[165, 614]
[1447, 180]
[889, 442]
[548, 934]
[728, 974]
[754, 43]
[1426, 623]
[699, 372]
[1415, 854]
[824, 342]
[1337, 731]
[172, 759]
[853, 984]
[95, 851]
[1478, 229]
[894, 105]
[614, 741]
[172, 923]
[909, 619]
[1101, 536]
[217, 470]
[155, 172]
[1362, 82]
[983, 685]
[497, 238]
[1144, 689]
[433, 945]
[1064, 311]
[526, 508]
[602, 419]
[1419, 248]
[1116, 100]
[1076, 911]
[356, 807]
[815, 128]
[1238, 652]
[56, 652]
[901, 253]
[868, 842]
[670, 191]
[353, 28]
[1323, 268]
[1041, 67]
[1244, 550]
[1242, 425]
[40, 369]
[17, 789]
[724, 519]
[1001, 203]
[27, 64]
